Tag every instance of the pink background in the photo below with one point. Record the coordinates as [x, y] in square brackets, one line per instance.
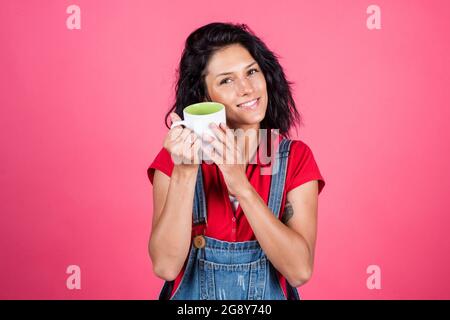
[82, 118]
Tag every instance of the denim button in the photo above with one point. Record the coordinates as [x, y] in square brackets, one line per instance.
[199, 242]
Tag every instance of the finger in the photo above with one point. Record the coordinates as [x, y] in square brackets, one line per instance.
[226, 135]
[175, 132]
[216, 144]
[184, 134]
[196, 147]
[179, 144]
[192, 138]
[187, 151]
[220, 134]
[229, 133]
[174, 117]
[190, 149]
[232, 151]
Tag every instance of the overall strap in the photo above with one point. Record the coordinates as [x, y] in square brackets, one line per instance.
[276, 194]
[279, 177]
[199, 215]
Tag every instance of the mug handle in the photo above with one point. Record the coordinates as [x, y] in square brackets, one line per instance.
[178, 123]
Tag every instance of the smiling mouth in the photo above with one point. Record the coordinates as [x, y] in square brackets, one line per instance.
[251, 105]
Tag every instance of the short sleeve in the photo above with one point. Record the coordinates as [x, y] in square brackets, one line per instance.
[302, 167]
[163, 162]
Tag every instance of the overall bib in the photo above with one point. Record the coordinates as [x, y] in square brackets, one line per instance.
[221, 270]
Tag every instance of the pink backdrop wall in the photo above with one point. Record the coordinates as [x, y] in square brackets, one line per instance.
[81, 119]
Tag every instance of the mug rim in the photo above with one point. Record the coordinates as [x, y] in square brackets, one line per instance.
[222, 107]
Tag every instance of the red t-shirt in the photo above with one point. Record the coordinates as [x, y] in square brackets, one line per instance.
[222, 225]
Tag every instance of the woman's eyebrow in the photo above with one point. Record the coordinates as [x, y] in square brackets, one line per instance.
[225, 73]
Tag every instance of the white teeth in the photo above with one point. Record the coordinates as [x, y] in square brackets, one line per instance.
[248, 104]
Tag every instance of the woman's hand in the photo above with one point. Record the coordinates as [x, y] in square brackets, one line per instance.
[183, 145]
[229, 157]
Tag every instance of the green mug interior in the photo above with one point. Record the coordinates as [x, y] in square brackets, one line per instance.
[203, 108]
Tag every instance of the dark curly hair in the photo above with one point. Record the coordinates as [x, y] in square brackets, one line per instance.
[190, 88]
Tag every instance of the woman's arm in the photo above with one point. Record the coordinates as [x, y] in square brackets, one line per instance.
[172, 220]
[290, 246]
[173, 200]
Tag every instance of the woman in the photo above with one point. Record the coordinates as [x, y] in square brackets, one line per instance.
[259, 245]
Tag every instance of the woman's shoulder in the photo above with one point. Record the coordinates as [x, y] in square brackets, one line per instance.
[162, 162]
[302, 165]
[298, 147]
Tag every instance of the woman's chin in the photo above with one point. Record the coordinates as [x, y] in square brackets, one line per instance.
[246, 119]
[248, 123]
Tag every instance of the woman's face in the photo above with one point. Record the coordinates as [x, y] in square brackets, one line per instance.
[233, 77]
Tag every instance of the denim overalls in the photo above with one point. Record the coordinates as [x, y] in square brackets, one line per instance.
[221, 270]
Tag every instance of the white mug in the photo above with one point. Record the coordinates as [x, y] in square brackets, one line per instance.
[199, 116]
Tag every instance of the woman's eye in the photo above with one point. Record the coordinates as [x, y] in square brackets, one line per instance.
[224, 80]
[249, 72]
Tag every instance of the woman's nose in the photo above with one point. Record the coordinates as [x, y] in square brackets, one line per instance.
[245, 87]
